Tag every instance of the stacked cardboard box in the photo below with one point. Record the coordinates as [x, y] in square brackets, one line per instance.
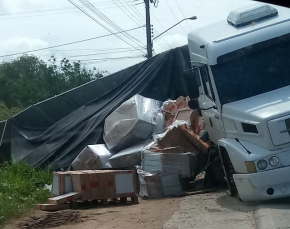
[98, 184]
[91, 185]
[61, 183]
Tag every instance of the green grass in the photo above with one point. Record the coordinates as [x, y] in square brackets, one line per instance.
[21, 188]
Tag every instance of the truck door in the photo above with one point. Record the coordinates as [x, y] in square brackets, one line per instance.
[207, 99]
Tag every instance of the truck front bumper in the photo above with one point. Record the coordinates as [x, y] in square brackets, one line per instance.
[266, 185]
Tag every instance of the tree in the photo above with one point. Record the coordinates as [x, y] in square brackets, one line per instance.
[28, 80]
[6, 113]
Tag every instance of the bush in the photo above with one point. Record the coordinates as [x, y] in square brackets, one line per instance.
[21, 188]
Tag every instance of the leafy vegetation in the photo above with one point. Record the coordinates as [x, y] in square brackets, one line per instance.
[21, 188]
[28, 80]
[6, 113]
[24, 82]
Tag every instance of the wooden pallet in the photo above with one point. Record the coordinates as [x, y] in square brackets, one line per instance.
[104, 202]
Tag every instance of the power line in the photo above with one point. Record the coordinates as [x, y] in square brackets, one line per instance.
[134, 19]
[138, 23]
[93, 54]
[134, 10]
[91, 50]
[105, 60]
[70, 43]
[104, 26]
[174, 15]
[163, 27]
[161, 40]
[164, 44]
[108, 58]
[107, 20]
[55, 9]
[182, 13]
[110, 22]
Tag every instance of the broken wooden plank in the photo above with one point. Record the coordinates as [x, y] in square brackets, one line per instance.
[53, 207]
[65, 198]
[199, 192]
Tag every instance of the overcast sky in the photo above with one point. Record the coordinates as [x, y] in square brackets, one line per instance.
[33, 24]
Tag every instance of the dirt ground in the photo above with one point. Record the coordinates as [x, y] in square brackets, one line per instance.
[148, 214]
[213, 210]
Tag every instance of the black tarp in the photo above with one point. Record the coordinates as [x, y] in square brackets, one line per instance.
[160, 77]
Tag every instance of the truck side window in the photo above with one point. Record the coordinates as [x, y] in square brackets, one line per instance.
[206, 82]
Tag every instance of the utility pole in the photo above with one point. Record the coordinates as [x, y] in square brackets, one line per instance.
[148, 29]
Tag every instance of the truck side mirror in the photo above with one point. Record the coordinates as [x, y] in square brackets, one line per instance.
[193, 104]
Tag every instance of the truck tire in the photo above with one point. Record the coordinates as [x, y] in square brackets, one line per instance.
[228, 171]
[215, 173]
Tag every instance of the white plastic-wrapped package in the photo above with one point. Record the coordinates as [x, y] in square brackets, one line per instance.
[92, 157]
[132, 122]
[130, 157]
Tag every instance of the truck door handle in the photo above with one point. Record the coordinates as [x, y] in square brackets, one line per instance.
[210, 122]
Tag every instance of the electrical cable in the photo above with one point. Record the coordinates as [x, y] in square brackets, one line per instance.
[134, 19]
[123, 9]
[105, 26]
[162, 39]
[93, 54]
[110, 22]
[174, 15]
[54, 9]
[70, 43]
[182, 14]
[108, 58]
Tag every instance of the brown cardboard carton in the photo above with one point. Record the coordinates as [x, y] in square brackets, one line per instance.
[181, 103]
[195, 140]
[197, 122]
[79, 181]
[184, 114]
[175, 137]
[104, 184]
[94, 185]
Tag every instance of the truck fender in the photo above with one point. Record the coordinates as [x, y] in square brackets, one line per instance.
[236, 153]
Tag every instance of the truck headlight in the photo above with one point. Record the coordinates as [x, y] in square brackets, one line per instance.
[262, 164]
[274, 161]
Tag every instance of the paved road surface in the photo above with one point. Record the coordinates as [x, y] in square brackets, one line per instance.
[219, 211]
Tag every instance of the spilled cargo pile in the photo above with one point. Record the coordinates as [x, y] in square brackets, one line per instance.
[152, 148]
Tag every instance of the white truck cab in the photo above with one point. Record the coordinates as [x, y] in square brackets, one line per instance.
[242, 66]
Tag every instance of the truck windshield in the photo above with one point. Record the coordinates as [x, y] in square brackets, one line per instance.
[253, 70]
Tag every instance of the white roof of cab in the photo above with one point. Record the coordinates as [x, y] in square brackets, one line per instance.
[221, 37]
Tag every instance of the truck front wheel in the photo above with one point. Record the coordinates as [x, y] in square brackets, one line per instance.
[229, 171]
